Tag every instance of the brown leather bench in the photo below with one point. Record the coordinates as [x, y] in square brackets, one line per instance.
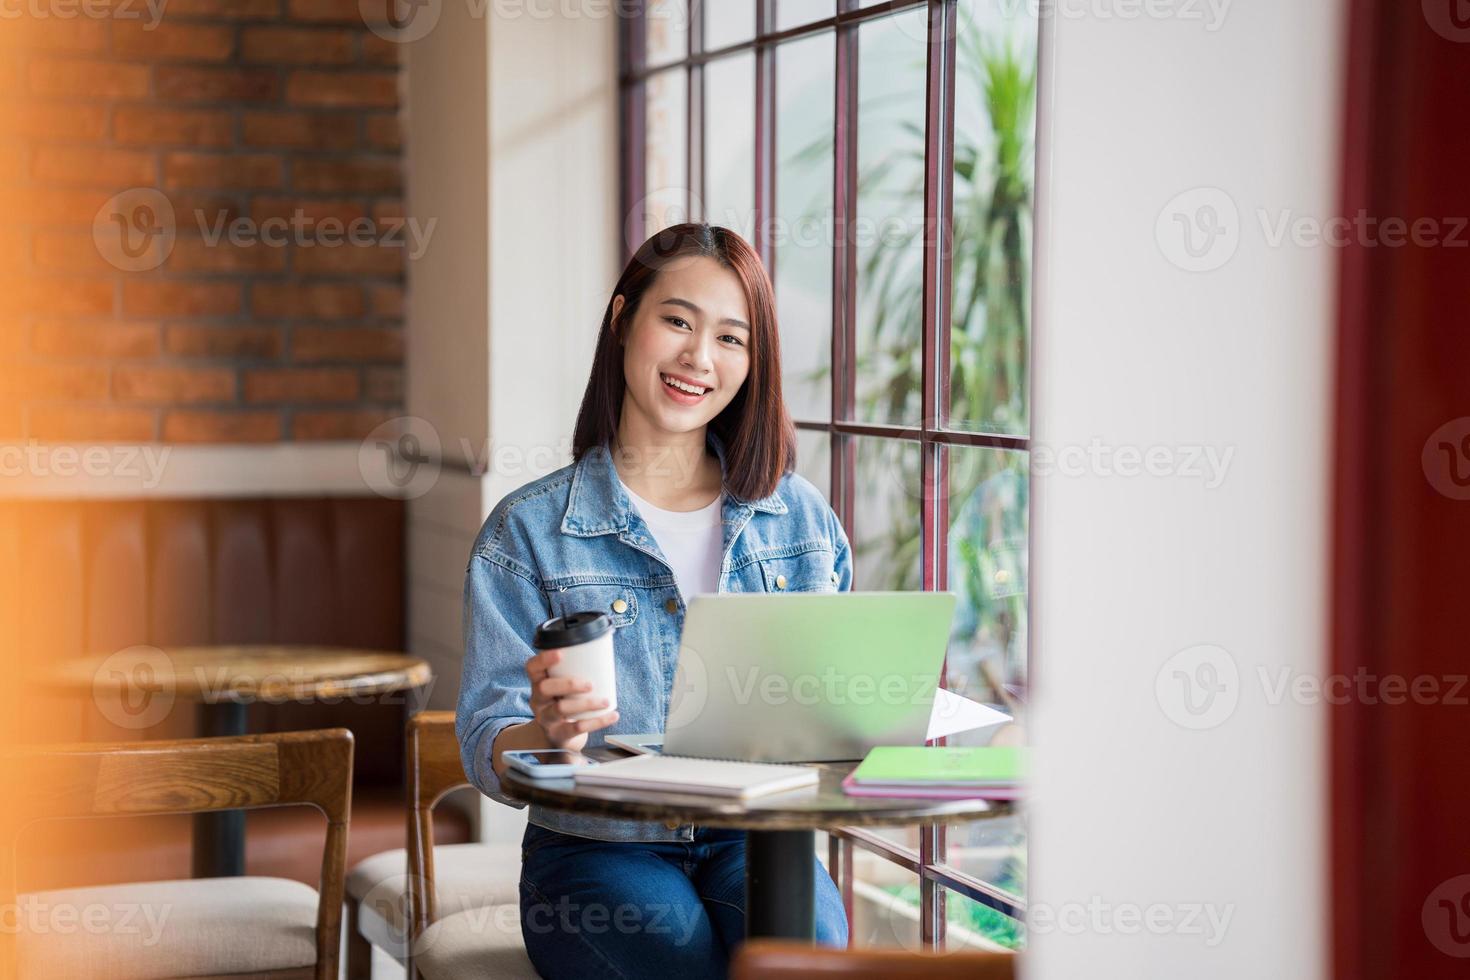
[95, 576]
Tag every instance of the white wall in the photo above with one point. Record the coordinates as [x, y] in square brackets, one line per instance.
[1133, 807]
[512, 145]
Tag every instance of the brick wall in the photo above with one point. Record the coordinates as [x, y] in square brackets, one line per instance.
[237, 112]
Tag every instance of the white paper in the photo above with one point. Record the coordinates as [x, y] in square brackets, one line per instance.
[953, 713]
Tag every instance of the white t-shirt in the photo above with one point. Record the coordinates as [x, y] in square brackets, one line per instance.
[693, 541]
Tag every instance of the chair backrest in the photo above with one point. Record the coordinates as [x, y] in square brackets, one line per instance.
[193, 775]
[431, 756]
[769, 959]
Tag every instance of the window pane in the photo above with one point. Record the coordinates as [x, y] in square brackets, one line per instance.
[728, 22]
[886, 518]
[989, 492]
[814, 459]
[890, 217]
[794, 13]
[994, 154]
[729, 143]
[995, 852]
[802, 233]
[667, 187]
[667, 26]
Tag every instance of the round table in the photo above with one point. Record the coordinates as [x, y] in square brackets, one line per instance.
[780, 838]
[137, 687]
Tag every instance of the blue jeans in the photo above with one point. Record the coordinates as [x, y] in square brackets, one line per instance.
[625, 909]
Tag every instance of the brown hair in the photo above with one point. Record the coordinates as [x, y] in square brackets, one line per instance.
[759, 439]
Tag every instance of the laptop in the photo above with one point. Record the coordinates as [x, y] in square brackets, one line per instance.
[802, 677]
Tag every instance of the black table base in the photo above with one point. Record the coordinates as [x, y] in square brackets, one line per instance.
[219, 837]
[780, 884]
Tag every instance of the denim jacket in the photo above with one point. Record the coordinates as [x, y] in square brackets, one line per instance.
[572, 541]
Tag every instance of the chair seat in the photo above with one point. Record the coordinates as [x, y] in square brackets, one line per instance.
[466, 876]
[475, 943]
[159, 929]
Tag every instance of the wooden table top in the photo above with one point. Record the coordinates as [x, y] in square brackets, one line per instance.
[244, 673]
[824, 806]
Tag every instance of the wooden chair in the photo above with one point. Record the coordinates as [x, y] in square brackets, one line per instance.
[396, 897]
[239, 927]
[768, 959]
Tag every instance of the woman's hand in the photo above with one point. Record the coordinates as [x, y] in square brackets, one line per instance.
[553, 698]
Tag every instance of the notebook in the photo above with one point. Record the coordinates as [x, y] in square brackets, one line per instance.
[713, 777]
[946, 772]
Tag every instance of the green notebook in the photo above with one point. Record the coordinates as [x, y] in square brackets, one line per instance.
[920, 765]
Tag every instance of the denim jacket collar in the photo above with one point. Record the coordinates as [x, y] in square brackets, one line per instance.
[599, 505]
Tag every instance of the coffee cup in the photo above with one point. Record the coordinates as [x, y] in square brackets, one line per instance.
[585, 640]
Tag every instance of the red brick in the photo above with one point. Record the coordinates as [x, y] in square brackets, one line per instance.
[196, 127]
[193, 208]
[307, 211]
[383, 384]
[319, 301]
[307, 130]
[13, 158]
[69, 381]
[58, 297]
[385, 261]
[336, 425]
[330, 11]
[226, 9]
[171, 385]
[243, 170]
[59, 338]
[203, 426]
[53, 121]
[381, 51]
[237, 342]
[360, 176]
[74, 252]
[90, 79]
[301, 385]
[182, 84]
[296, 46]
[198, 255]
[381, 131]
[172, 40]
[312, 344]
[378, 89]
[67, 423]
[162, 297]
[54, 33]
[56, 206]
[386, 300]
[93, 167]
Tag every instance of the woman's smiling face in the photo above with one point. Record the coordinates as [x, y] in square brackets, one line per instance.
[686, 351]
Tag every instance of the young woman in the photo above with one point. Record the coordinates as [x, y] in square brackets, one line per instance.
[682, 484]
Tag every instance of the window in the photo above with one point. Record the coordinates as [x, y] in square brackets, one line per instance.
[880, 157]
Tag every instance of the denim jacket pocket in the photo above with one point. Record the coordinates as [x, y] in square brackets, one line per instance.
[812, 570]
[619, 602]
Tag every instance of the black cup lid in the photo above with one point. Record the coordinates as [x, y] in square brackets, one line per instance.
[571, 629]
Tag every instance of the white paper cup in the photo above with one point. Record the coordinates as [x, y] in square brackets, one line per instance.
[585, 640]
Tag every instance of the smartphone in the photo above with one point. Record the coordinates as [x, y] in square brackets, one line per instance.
[546, 763]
